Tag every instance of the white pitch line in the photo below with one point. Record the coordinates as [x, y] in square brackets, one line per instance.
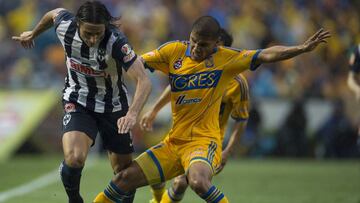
[38, 183]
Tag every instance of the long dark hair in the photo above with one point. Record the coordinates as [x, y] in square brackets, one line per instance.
[96, 12]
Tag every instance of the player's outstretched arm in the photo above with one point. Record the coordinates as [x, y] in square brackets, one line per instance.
[278, 53]
[237, 132]
[27, 38]
[146, 122]
[143, 89]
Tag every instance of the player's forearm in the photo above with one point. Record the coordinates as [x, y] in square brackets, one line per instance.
[46, 22]
[163, 100]
[278, 53]
[143, 89]
[236, 134]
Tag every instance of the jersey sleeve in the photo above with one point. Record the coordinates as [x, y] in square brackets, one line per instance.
[159, 59]
[62, 16]
[240, 110]
[123, 53]
[244, 60]
[355, 60]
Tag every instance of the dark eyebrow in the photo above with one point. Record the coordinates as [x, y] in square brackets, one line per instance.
[92, 33]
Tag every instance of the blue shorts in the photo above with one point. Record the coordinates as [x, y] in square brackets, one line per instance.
[78, 118]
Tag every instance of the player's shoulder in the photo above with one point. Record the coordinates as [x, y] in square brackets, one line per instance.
[116, 32]
[173, 44]
[230, 50]
[63, 16]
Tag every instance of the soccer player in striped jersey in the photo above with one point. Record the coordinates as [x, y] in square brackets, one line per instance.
[94, 97]
[234, 104]
[354, 78]
[199, 71]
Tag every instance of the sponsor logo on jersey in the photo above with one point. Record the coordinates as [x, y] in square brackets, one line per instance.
[182, 100]
[202, 80]
[178, 64]
[86, 69]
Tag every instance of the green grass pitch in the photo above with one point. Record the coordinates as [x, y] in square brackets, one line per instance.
[250, 181]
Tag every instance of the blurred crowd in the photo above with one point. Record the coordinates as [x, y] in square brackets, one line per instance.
[254, 24]
[149, 23]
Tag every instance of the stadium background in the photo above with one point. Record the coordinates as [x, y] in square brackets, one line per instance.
[301, 108]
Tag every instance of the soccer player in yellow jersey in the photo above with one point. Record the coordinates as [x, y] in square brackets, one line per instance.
[199, 71]
[235, 103]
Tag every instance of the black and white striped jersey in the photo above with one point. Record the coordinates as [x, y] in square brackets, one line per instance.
[94, 77]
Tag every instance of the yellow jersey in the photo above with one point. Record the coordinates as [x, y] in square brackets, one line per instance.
[197, 87]
[235, 103]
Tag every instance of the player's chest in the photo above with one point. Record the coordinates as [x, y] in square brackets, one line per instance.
[184, 65]
[95, 58]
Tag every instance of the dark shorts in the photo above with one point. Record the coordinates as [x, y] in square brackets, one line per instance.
[78, 118]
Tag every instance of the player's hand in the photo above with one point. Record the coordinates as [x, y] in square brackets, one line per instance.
[146, 122]
[26, 39]
[224, 158]
[126, 123]
[319, 37]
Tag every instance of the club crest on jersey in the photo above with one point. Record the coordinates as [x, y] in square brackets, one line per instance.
[209, 63]
[101, 54]
[178, 64]
[246, 54]
[66, 119]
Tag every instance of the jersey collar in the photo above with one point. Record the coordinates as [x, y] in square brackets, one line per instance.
[187, 53]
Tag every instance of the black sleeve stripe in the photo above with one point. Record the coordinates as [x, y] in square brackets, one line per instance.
[148, 67]
[129, 64]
